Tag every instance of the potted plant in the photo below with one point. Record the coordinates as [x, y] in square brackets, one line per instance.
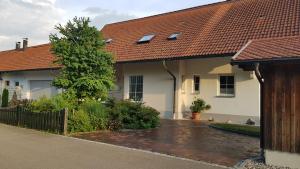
[198, 106]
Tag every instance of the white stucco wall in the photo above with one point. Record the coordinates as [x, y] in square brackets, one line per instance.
[24, 78]
[247, 93]
[158, 87]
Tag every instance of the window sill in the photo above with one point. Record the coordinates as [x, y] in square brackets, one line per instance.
[195, 93]
[224, 96]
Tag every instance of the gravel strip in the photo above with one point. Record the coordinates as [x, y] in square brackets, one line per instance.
[257, 164]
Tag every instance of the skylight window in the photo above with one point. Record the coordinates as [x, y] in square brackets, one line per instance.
[146, 38]
[108, 40]
[173, 36]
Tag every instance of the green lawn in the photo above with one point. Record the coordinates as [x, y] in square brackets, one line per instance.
[240, 129]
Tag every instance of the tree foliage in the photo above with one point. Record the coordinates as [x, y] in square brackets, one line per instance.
[88, 70]
[5, 98]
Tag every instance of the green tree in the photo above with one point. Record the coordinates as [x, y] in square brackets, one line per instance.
[5, 98]
[87, 69]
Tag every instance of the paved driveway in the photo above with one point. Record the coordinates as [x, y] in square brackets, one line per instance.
[28, 149]
[188, 139]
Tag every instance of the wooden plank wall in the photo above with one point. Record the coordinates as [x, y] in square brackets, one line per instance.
[281, 107]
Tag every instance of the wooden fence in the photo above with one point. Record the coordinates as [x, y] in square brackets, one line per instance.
[46, 121]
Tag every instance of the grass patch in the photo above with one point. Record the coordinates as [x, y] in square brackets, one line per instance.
[237, 128]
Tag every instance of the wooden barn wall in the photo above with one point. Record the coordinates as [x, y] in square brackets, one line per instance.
[281, 107]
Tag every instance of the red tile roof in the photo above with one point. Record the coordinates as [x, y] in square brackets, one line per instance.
[270, 49]
[221, 28]
[216, 29]
[37, 57]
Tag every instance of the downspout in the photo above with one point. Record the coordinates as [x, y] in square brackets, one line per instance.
[174, 85]
[261, 82]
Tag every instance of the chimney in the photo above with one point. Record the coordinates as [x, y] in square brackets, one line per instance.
[18, 45]
[25, 43]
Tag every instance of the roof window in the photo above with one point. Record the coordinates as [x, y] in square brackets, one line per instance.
[109, 40]
[146, 38]
[174, 36]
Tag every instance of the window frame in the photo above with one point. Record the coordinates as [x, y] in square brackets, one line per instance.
[17, 82]
[135, 92]
[226, 84]
[146, 38]
[194, 84]
[7, 83]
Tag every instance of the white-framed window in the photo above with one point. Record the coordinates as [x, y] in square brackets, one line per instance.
[17, 84]
[226, 85]
[136, 88]
[196, 84]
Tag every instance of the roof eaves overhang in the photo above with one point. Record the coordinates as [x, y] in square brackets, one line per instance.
[179, 58]
[25, 70]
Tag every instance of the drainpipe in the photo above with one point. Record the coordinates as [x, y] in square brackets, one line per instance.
[261, 82]
[174, 85]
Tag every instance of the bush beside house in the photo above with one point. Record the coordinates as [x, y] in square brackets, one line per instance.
[92, 115]
[4, 98]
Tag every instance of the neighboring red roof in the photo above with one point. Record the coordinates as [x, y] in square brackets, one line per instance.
[270, 49]
[37, 57]
[215, 29]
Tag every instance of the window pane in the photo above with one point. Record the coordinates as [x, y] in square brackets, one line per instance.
[132, 89]
[223, 91]
[230, 80]
[131, 96]
[139, 97]
[196, 83]
[230, 86]
[196, 79]
[139, 80]
[136, 88]
[139, 88]
[222, 79]
[223, 86]
[227, 85]
[230, 91]
[133, 79]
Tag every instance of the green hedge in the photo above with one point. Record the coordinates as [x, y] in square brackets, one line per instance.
[5, 98]
[92, 115]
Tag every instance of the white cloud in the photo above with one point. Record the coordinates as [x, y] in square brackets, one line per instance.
[101, 17]
[34, 19]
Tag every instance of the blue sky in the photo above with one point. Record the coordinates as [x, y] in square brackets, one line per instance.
[35, 19]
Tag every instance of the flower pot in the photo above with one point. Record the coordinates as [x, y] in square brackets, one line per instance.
[196, 116]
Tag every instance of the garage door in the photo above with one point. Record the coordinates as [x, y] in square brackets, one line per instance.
[40, 88]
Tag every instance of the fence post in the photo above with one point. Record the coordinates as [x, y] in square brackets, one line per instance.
[65, 121]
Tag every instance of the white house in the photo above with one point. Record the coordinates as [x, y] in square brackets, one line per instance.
[167, 60]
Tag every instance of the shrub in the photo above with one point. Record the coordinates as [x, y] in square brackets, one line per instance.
[14, 100]
[42, 105]
[199, 105]
[54, 104]
[5, 98]
[79, 122]
[62, 101]
[133, 115]
[97, 112]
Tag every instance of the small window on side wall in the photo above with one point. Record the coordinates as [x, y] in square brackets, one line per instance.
[196, 84]
[7, 83]
[227, 86]
[17, 84]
